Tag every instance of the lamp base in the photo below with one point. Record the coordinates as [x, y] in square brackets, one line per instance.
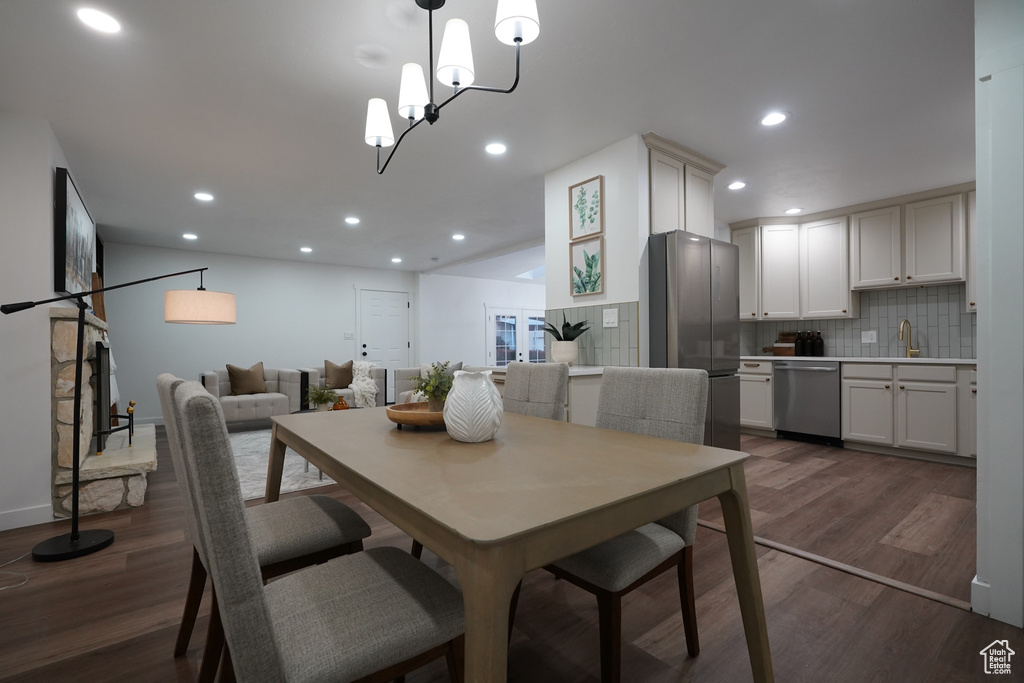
[61, 547]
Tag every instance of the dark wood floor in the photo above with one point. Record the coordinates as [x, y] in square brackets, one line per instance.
[113, 616]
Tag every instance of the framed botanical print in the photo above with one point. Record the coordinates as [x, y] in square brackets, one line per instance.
[74, 238]
[586, 266]
[586, 209]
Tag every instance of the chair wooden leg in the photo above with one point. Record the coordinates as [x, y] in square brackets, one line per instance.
[417, 549]
[194, 596]
[512, 609]
[687, 601]
[455, 655]
[609, 610]
[214, 645]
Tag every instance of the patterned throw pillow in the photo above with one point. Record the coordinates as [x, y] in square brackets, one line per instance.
[247, 381]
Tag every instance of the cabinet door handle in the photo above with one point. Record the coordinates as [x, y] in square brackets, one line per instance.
[974, 391]
[972, 303]
[767, 379]
[902, 387]
[844, 310]
[766, 312]
[909, 277]
[886, 386]
[755, 314]
[896, 278]
[751, 365]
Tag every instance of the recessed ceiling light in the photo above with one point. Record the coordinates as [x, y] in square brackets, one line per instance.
[351, 220]
[793, 211]
[495, 148]
[305, 250]
[396, 260]
[774, 118]
[190, 236]
[457, 237]
[738, 185]
[203, 196]
[100, 21]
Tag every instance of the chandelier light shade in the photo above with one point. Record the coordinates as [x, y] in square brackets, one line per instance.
[516, 19]
[199, 307]
[412, 96]
[379, 132]
[455, 63]
[515, 23]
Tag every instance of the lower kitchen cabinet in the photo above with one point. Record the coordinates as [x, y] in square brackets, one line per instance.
[926, 416]
[867, 408]
[756, 395]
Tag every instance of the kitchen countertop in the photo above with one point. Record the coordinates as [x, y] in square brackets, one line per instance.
[869, 359]
[585, 370]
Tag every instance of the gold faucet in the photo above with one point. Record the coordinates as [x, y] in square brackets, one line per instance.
[910, 352]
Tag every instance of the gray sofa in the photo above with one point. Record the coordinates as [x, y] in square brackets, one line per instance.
[316, 377]
[405, 380]
[283, 395]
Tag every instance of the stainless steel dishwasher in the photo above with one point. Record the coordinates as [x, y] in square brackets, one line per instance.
[807, 395]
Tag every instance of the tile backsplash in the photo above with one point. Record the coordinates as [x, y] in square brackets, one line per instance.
[941, 325]
[601, 345]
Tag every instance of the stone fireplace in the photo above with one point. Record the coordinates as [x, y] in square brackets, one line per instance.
[117, 478]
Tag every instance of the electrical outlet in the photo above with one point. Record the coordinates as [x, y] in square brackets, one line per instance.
[611, 317]
[869, 337]
[350, 335]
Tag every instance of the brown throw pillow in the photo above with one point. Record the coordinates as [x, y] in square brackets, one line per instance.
[247, 381]
[338, 376]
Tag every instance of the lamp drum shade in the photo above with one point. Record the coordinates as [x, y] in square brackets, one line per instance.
[516, 19]
[378, 124]
[199, 307]
[412, 94]
[455, 63]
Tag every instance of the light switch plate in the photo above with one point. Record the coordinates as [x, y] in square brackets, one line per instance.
[350, 335]
[869, 337]
[611, 317]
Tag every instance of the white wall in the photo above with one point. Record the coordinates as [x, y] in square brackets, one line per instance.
[998, 588]
[626, 222]
[290, 315]
[28, 155]
[452, 325]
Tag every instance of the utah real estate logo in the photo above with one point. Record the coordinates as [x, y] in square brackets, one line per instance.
[997, 657]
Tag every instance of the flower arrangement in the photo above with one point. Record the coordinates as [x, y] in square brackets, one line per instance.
[569, 332]
[438, 382]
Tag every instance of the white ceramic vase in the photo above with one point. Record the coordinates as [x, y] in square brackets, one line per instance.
[322, 407]
[472, 411]
[565, 351]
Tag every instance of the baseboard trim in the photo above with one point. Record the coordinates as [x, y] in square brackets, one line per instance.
[16, 519]
[855, 571]
[980, 600]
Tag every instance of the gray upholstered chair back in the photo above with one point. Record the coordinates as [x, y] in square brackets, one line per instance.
[166, 386]
[666, 403]
[536, 389]
[231, 558]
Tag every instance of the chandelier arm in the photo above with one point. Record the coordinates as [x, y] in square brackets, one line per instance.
[380, 169]
[485, 88]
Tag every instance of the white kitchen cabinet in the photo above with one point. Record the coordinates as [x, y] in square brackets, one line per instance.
[876, 249]
[780, 272]
[934, 241]
[756, 395]
[867, 403]
[668, 193]
[972, 252]
[700, 201]
[926, 416]
[749, 243]
[972, 422]
[967, 403]
[825, 270]
[682, 186]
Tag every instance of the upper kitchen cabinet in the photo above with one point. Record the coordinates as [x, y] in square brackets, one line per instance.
[780, 272]
[824, 271]
[682, 186]
[749, 242]
[876, 249]
[972, 252]
[935, 240]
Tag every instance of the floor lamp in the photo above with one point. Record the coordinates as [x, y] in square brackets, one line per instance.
[199, 307]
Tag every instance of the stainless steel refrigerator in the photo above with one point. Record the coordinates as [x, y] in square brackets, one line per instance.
[695, 321]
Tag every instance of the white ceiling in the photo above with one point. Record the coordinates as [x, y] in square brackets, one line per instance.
[262, 103]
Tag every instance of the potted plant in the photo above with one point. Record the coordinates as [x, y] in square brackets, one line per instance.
[435, 386]
[321, 397]
[565, 348]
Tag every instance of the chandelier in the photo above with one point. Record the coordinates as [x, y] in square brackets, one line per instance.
[515, 23]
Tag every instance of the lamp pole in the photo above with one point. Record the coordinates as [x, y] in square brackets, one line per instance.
[78, 543]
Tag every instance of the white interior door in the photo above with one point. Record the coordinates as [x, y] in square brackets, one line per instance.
[514, 335]
[384, 331]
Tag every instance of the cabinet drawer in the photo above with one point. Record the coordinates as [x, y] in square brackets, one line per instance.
[750, 367]
[866, 371]
[926, 373]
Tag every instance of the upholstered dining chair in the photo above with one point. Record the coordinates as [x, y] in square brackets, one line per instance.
[372, 615]
[664, 403]
[537, 389]
[286, 535]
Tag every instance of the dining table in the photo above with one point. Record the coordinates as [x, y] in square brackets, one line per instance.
[539, 491]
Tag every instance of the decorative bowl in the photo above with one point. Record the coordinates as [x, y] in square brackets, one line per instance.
[415, 414]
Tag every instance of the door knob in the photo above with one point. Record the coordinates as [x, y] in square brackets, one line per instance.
[364, 346]
[364, 353]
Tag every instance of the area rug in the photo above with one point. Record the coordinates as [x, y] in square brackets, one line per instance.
[252, 453]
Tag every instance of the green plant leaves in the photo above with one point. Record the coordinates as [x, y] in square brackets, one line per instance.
[438, 383]
[589, 281]
[569, 331]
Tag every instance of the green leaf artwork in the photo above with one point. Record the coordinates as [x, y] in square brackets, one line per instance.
[587, 281]
[585, 210]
